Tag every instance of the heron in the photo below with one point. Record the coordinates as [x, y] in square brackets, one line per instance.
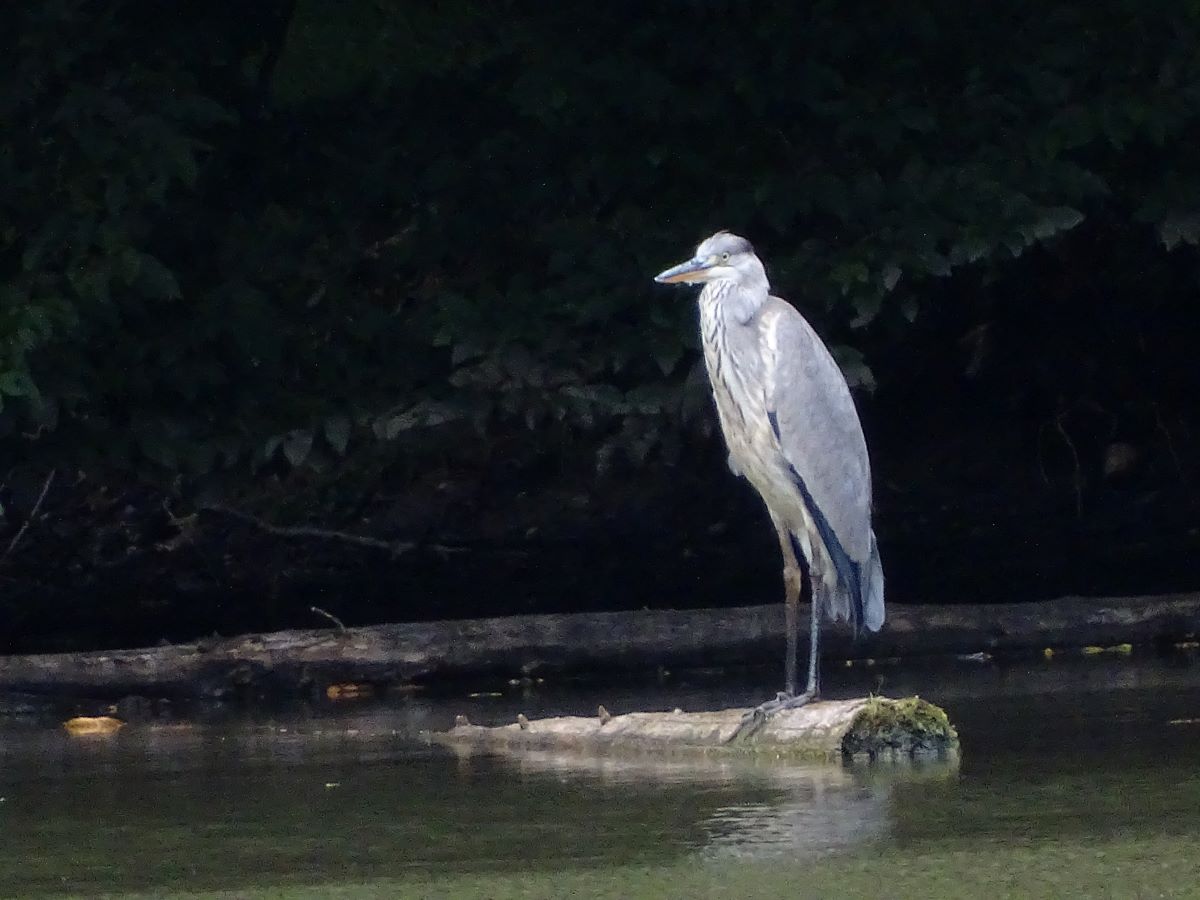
[792, 430]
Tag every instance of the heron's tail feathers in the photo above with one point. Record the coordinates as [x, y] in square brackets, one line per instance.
[858, 595]
[872, 590]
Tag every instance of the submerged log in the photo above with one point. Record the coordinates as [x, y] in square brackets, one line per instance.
[875, 727]
[519, 646]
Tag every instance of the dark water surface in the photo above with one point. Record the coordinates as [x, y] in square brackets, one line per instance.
[1078, 777]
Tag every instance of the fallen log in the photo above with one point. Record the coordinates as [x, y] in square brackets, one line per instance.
[525, 646]
[873, 727]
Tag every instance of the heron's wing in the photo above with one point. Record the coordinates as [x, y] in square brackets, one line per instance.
[814, 420]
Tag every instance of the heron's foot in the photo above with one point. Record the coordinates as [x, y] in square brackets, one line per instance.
[757, 717]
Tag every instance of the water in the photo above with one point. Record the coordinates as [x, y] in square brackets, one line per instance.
[1078, 777]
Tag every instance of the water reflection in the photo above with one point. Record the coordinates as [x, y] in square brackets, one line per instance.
[796, 811]
[223, 798]
[825, 810]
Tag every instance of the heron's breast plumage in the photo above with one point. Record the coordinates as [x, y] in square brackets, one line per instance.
[736, 362]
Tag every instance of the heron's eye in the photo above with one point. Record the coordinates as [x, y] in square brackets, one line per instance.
[724, 257]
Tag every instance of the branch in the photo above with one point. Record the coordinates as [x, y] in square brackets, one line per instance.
[396, 548]
[330, 616]
[625, 642]
[12, 545]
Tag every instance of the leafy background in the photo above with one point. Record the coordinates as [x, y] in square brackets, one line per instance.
[274, 255]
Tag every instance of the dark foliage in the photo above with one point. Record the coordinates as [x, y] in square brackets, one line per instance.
[227, 236]
[235, 242]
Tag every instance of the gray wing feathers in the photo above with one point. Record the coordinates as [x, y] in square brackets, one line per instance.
[821, 438]
[819, 432]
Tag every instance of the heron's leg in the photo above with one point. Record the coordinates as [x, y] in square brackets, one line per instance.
[813, 689]
[790, 699]
[793, 584]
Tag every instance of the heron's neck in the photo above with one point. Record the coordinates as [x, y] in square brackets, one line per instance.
[731, 299]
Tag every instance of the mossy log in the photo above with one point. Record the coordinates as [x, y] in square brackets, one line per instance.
[875, 727]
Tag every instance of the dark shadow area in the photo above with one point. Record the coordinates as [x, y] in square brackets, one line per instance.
[311, 316]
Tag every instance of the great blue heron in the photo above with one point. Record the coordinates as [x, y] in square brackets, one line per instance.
[793, 432]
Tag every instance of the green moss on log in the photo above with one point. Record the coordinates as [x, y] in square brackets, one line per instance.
[909, 726]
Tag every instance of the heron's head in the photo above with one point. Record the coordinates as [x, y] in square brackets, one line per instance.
[722, 257]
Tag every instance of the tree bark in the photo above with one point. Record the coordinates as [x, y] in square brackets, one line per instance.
[518, 646]
[825, 731]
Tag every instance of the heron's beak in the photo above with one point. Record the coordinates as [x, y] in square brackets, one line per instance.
[692, 270]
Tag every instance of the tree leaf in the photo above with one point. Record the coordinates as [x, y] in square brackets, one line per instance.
[17, 384]
[337, 433]
[891, 276]
[464, 351]
[1064, 217]
[667, 356]
[1179, 229]
[156, 280]
[271, 445]
[297, 444]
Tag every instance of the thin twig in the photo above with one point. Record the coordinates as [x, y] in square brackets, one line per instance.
[12, 545]
[304, 531]
[330, 616]
[1077, 478]
[1162, 426]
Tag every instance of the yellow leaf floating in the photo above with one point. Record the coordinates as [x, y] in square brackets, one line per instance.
[1120, 649]
[93, 725]
[348, 691]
